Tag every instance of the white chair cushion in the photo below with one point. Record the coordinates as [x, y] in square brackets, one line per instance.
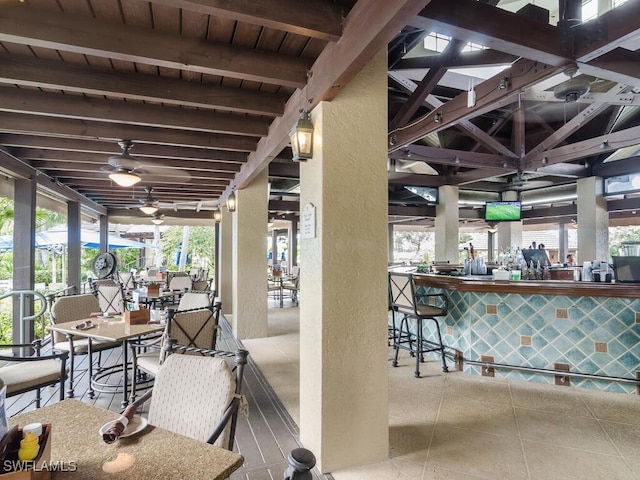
[18, 376]
[190, 396]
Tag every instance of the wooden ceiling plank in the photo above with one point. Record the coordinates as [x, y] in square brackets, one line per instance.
[146, 150]
[368, 29]
[88, 36]
[64, 127]
[522, 74]
[148, 180]
[494, 28]
[59, 75]
[134, 113]
[317, 19]
[73, 160]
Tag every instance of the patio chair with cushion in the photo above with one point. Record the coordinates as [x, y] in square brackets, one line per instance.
[73, 308]
[111, 299]
[32, 371]
[198, 396]
[193, 328]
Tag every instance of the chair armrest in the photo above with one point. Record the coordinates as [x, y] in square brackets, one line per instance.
[54, 356]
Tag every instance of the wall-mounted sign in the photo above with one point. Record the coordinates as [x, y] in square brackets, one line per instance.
[308, 222]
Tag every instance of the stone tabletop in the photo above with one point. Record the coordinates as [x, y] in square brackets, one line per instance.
[154, 453]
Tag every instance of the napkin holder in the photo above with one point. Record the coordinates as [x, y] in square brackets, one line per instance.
[36, 469]
[153, 289]
[137, 317]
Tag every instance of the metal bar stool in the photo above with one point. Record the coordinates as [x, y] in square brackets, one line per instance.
[405, 300]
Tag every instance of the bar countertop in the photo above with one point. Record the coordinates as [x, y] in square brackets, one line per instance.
[546, 287]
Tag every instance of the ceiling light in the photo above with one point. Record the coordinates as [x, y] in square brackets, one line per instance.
[437, 118]
[302, 138]
[149, 204]
[231, 202]
[157, 219]
[124, 178]
[217, 215]
[504, 83]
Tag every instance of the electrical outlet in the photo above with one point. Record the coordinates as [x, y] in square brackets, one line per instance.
[460, 361]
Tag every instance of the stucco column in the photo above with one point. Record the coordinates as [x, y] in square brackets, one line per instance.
[225, 246]
[593, 220]
[447, 224]
[343, 306]
[509, 233]
[249, 266]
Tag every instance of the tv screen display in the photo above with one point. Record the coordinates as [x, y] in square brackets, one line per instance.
[502, 211]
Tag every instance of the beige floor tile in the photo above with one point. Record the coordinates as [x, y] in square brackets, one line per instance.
[385, 470]
[415, 406]
[615, 407]
[575, 431]
[635, 468]
[476, 453]
[626, 437]
[409, 441]
[439, 473]
[548, 398]
[478, 416]
[479, 388]
[551, 462]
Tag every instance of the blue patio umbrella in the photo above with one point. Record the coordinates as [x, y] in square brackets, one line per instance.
[88, 238]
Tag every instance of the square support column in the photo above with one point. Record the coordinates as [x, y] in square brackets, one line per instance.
[593, 220]
[74, 246]
[343, 308]
[447, 224]
[24, 234]
[249, 265]
[225, 263]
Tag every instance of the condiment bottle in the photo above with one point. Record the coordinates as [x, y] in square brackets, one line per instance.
[28, 447]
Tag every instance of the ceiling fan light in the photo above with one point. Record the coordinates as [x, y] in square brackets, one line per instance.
[148, 209]
[157, 219]
[124, 178]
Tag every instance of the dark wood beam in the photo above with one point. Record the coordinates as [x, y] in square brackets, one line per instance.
[409, 211]
[52, 74]
[426, 86]
[69, 176]
[447, 156]
[477, 58]
[619, 65]
[14, 167]
[284, 170]
[64, 127]
[80, 107]
[619, 167]
[495, 28]
[317, 19]
[367, 30]
[87, 36]
[521, 75]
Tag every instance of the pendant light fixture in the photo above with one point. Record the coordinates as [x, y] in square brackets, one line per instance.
[149, 204]
[217, 215]
[231, 201]
[124, 177]
[157, 219]
[302, 138]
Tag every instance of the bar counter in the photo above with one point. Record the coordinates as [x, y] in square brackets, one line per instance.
[589, 328]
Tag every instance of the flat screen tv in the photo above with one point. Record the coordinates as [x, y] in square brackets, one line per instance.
[503, 211]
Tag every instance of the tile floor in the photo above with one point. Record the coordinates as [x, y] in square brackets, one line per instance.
[457, 426]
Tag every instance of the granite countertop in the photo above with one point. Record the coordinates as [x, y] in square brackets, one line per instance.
[154, 453]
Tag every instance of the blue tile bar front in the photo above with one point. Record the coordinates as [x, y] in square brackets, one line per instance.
[594, 328]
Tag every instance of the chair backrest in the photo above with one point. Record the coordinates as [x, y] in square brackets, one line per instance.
[126, 280]
[71, 308]
[295, 271]
[197, 327]
[202, 285]
[191, 300]
[401, 298]
[110, 298]
[199, 396]
[180, 282]
[404, 298]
